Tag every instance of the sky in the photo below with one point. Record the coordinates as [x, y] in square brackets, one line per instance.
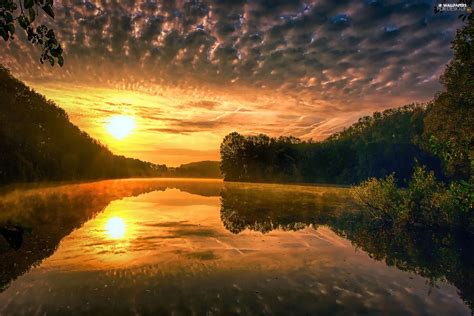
[190, 72]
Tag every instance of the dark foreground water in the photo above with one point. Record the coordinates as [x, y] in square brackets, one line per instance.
[158, 247]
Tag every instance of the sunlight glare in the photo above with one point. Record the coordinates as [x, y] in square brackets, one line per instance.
[120, 126]
[115, 228]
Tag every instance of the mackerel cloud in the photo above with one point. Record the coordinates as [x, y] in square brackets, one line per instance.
[324, 58]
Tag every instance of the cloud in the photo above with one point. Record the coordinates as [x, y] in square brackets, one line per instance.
[321, 63]
[256, 43]
[209, 105]
[188, 126]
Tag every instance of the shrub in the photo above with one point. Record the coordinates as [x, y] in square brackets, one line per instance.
[424, 203]
[458, 201]
[422, 199]
[380, 198]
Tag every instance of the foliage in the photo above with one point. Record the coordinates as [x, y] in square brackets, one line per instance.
[447, 133]
[366, 149]
[382, 199]
[232, 155]
[450, 116]
[458, 201]
[37, 142]
[40, 35]
[424, 203]
[376, 146]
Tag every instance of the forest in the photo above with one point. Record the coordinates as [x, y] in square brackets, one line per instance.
[437, 135]
[373, 147]
[410, 166]
[38, 142]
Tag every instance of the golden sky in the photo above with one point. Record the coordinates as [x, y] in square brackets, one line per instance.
[189, 72]
[175, 126]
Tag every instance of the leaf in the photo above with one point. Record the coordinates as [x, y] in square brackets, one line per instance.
[54, 53]
[51, 60]
[11, 27]
[49, 11]
[8, 17]
[4, 34]
[23, 21]
[60, 61]
[30, 33]
[32, 14]
[28, 4]
[50, 34]
[42, 29]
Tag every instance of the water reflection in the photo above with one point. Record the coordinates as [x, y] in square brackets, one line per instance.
[35, 219]
[436, 255]
[265, 208]
[229, 248]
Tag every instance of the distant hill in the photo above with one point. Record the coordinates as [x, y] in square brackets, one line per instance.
[38, 142]
[199, 169]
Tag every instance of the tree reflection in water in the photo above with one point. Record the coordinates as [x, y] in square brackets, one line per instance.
[34, 221]
[436, 255]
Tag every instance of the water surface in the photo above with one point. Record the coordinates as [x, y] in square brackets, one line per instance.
[179, 246]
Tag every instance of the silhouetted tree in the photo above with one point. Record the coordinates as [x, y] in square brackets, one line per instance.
[375, 146]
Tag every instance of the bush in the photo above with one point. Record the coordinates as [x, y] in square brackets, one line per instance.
[422, 199]
[380, 198]
[458, 201]
[424, 203]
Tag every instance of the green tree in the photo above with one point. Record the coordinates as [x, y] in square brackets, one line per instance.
[450, 119]
[373, 147]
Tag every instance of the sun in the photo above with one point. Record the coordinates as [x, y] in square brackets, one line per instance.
[120, 126]
[115, 228]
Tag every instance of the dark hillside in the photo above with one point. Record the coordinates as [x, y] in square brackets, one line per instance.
[38, 142]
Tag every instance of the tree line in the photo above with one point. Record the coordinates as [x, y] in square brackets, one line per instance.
[438, 135]
[375, 146]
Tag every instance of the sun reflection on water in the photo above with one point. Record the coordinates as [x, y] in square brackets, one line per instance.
[115, 228]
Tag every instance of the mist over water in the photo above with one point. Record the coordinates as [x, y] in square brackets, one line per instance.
[188, 246]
